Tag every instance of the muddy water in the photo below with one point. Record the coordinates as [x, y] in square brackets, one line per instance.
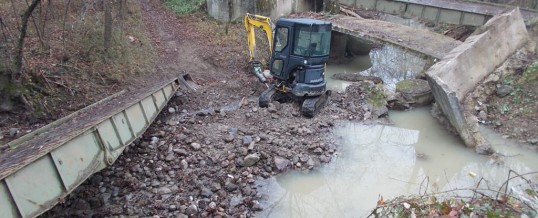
[390, 161]
[358, 64]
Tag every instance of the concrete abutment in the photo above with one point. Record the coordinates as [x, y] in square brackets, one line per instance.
[456, 75]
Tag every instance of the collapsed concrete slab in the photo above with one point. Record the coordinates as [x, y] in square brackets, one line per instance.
[462, 68]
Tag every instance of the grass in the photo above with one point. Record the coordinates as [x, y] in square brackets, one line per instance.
[531, 73]
[185, 7]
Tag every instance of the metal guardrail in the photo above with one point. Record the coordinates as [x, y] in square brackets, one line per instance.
[42, 171]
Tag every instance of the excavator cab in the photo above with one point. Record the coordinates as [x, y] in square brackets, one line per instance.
[300, 51]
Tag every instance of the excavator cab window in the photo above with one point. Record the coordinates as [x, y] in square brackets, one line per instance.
[281, 38]
[312, 40]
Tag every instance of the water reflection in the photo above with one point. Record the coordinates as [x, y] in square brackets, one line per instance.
[390, 63]
[389, 161]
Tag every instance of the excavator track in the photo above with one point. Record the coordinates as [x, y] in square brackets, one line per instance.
[312, 105]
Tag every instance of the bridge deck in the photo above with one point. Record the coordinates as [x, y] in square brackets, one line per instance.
[421, 41]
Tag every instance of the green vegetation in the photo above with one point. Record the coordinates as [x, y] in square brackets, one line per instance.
[184, 7]
[531, 73]
[405, 85]
[376, 94]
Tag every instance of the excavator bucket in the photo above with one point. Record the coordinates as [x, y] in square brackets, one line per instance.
[187, 82]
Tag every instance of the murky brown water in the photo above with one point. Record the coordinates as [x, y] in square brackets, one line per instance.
[390, 161]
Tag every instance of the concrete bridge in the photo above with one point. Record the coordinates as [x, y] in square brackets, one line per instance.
[424, 42]
[446, 11]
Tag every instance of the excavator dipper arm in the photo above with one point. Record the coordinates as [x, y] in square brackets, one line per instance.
[251, 21]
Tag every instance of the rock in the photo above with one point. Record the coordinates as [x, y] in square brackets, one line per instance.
[95, 202]
[263, 136]
[251, 159]
[206, 192]
[234, 201]
[272, 108]
[184, 164]
[482, 115]
[247, 140]
[215, 186]
[164, 190]
[484, 149]
[192, 209]
[318, 151]
[170, 157]
[230, 186]
[180, 151]
[281, 163]
[503, 90]
[82, 205]
[313, 163]
[533, 141]
[229, 138]
[212, 206]
[239, 162]
[195, 146]
[232, 131]
[13, 132]
[172, 207]
[171, 110]
[417, 91]
[154, 140]
[182, 216]
[380, 111]
[256, 206]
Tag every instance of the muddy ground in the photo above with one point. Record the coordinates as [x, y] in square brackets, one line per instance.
[206, 149]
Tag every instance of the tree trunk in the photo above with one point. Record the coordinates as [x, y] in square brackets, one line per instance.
[15, 77]
[10, 77]
[108, 25]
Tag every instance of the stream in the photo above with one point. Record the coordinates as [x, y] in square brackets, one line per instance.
[413, 155]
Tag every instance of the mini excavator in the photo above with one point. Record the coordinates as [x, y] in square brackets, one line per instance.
[299, 52]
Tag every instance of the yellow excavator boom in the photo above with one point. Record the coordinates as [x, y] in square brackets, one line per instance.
[251, 21]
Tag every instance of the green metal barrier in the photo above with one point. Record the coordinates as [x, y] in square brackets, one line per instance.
[43, 169]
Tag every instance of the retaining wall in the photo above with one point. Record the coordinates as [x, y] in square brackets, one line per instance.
[232, 10]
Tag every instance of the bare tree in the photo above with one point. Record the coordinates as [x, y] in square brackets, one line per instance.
[15, 77]
[108, 24]
[10, 77]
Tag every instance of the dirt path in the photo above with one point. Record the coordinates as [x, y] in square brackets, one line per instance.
[217, 62]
